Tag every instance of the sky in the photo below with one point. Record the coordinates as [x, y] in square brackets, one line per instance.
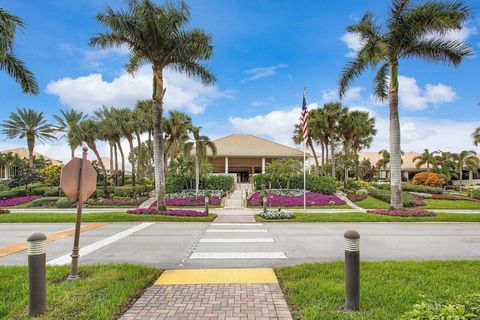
[265, 53]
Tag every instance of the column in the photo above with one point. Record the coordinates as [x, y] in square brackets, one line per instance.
[7, 172]
[470, 177]
[263, 165]
[226, 165]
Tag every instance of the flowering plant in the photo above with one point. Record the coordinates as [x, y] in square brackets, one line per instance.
[404, 213]
[313, 199]
[191, 193]
[169, 212]
[190, 201]
[450, 197]
[421, 194]
[356, 197]
[274, 214]
[419, 201]
[18, 200]
[143, 211]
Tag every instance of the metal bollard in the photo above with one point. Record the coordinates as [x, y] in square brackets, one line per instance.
[264, 204]
[352, 270]
[206, 204]
[36, 248]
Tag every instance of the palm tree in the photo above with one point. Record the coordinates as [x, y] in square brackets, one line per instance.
[9, 24]
[466, 159]
[126, 123]
[67, 123]
[157, 35]
[298, 139]
[144, 110]
[29, 124]
[385, 160]
[412, 30]
[425, 158]
[476, 137]
[201, 144]
[333, 114]
[176, 130]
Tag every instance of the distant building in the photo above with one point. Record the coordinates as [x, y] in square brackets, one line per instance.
[7, 171]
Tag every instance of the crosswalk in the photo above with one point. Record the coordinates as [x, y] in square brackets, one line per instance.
[234, 244]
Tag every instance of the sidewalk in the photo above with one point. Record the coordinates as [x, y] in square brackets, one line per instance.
[229, 294]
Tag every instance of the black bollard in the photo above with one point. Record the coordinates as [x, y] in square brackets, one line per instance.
[352, 270]
[37, 295]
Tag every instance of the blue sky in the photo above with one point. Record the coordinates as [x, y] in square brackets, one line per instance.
[265, 52]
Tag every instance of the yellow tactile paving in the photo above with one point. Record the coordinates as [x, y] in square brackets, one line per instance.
[217, 276]
[17, 247]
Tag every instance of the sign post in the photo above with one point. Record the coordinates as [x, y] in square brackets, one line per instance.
[78, 180]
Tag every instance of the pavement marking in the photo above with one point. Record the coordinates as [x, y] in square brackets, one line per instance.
[236, 240]
[20, 246]
[217, 276]
[235, 230]
[65, 259]
[238, 255]
[250, 224]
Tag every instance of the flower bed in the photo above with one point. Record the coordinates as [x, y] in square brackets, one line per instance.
[191, 193]
[192, 201]
[313, 199]
[421, 194]
[419, 201]
[354, 197]
[404, 213]
[451, 197]
[18, 200]
[169, 212]
[115, 202]
[275, 214]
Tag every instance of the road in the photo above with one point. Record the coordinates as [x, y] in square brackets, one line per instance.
[197, 245]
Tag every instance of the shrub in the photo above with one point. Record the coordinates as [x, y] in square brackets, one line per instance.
[275, 214]
[128, 191]
[323, 184]
[462, 308]
[355, 197]
[431, 179]
[313, 199]
[45, 202]
[320, 184]
[362, 193]
[51, 192]
[219, 182]
[51, 175]
[13, 193]
[421, 188]
[357, 184]
[18, 200]
[404, 213]
[63, 202]
[384, 195]
[475, 193]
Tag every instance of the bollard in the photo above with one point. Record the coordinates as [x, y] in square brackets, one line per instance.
[264, 204]
[352, 270]
[206, 204]
[37, 295]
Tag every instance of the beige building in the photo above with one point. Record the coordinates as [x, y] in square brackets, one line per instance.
[6, 171]
[245, 155]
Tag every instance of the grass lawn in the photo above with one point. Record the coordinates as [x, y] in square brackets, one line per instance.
[372, 203]
[102, 293]
[388, 289]
[450, 204]
[328, 206]
[98, 217]
[370, 217]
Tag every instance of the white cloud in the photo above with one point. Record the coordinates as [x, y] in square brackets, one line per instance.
[92, 91]
[462, 34]
[353, 42]
[412, 97]
[258, 73]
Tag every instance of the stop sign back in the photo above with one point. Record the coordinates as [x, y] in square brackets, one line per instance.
[70, 175]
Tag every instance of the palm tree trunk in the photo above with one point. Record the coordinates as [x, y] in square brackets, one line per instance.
[317, 166]
[132, 161]
[30, 145]
[149, 146]
[93, 147]
[123, 160]
[460, 175]
[72, 152]
[428, 166]
[158, 93]
[322, 146]
[345, 168]
[395, 149]
[111, 158]
[116, 162]
[139, 153]
[332, 150]
[197, 175]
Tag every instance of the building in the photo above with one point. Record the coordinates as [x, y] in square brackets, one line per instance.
[244, 155]
[7, 171]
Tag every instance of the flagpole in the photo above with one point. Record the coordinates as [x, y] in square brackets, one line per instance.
[304, 165]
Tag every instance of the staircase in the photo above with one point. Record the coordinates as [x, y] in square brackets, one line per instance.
[237, 199]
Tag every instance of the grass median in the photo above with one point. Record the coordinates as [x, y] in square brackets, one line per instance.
[371, 217]
[388, 289]
[103, 292]
[98, 217]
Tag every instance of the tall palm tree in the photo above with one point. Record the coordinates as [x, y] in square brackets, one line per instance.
[384, 160]
[9, 24]
[157, 35]
[426, 157]
[29, 124]
[412, 30]
[298, 139]
[201, 144]
[91, 132]
[476, 137]
[67, 122]
[176, 128]
[125, 121]
[333, 114]
[466, 159]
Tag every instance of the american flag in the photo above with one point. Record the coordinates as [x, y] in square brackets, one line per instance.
[304, 118]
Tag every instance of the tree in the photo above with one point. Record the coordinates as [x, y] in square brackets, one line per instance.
[298, 139]
[157, 35]
[425, 158]
[412, 30]
[476, 137]
[201, 144]
[125, 120]
[29, 124]
[385, 160]
[445, 164]
[67, 123]
[9, 24]
[466, 159]
[333, 114]
[176, 130]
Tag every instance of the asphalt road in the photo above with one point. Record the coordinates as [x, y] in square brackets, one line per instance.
[196, 245]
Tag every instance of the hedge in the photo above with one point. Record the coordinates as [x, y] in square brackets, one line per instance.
[218, 182]
[64, 203]
[13, 193]
[41, 202]
[52, 192]
[384, 195]
[177, 183]
[320, 184]
[412, 188]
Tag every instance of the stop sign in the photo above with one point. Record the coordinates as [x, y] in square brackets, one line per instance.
[70, 175]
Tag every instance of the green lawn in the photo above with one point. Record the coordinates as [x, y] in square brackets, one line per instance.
[370, 217]
[102, 293]
[98, 217]
[372, 203]
[328, 206]
[388, 289]
[450, 204]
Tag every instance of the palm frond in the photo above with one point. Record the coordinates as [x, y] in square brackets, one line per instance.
[350, 72]
[446, 50]
[17, 69]
[381, 83]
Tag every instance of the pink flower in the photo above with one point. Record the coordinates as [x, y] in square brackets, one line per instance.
[404, 213]
[14, 201]
[313, 199]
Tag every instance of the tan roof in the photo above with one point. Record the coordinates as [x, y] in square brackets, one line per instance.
[106, 163]
[23, 153]
[247, 145]
[408, 163]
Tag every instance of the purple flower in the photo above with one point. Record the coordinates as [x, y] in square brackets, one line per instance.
[14, 201]
[404, 213]
[313, 199]
[190, 201]
[169, 212]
